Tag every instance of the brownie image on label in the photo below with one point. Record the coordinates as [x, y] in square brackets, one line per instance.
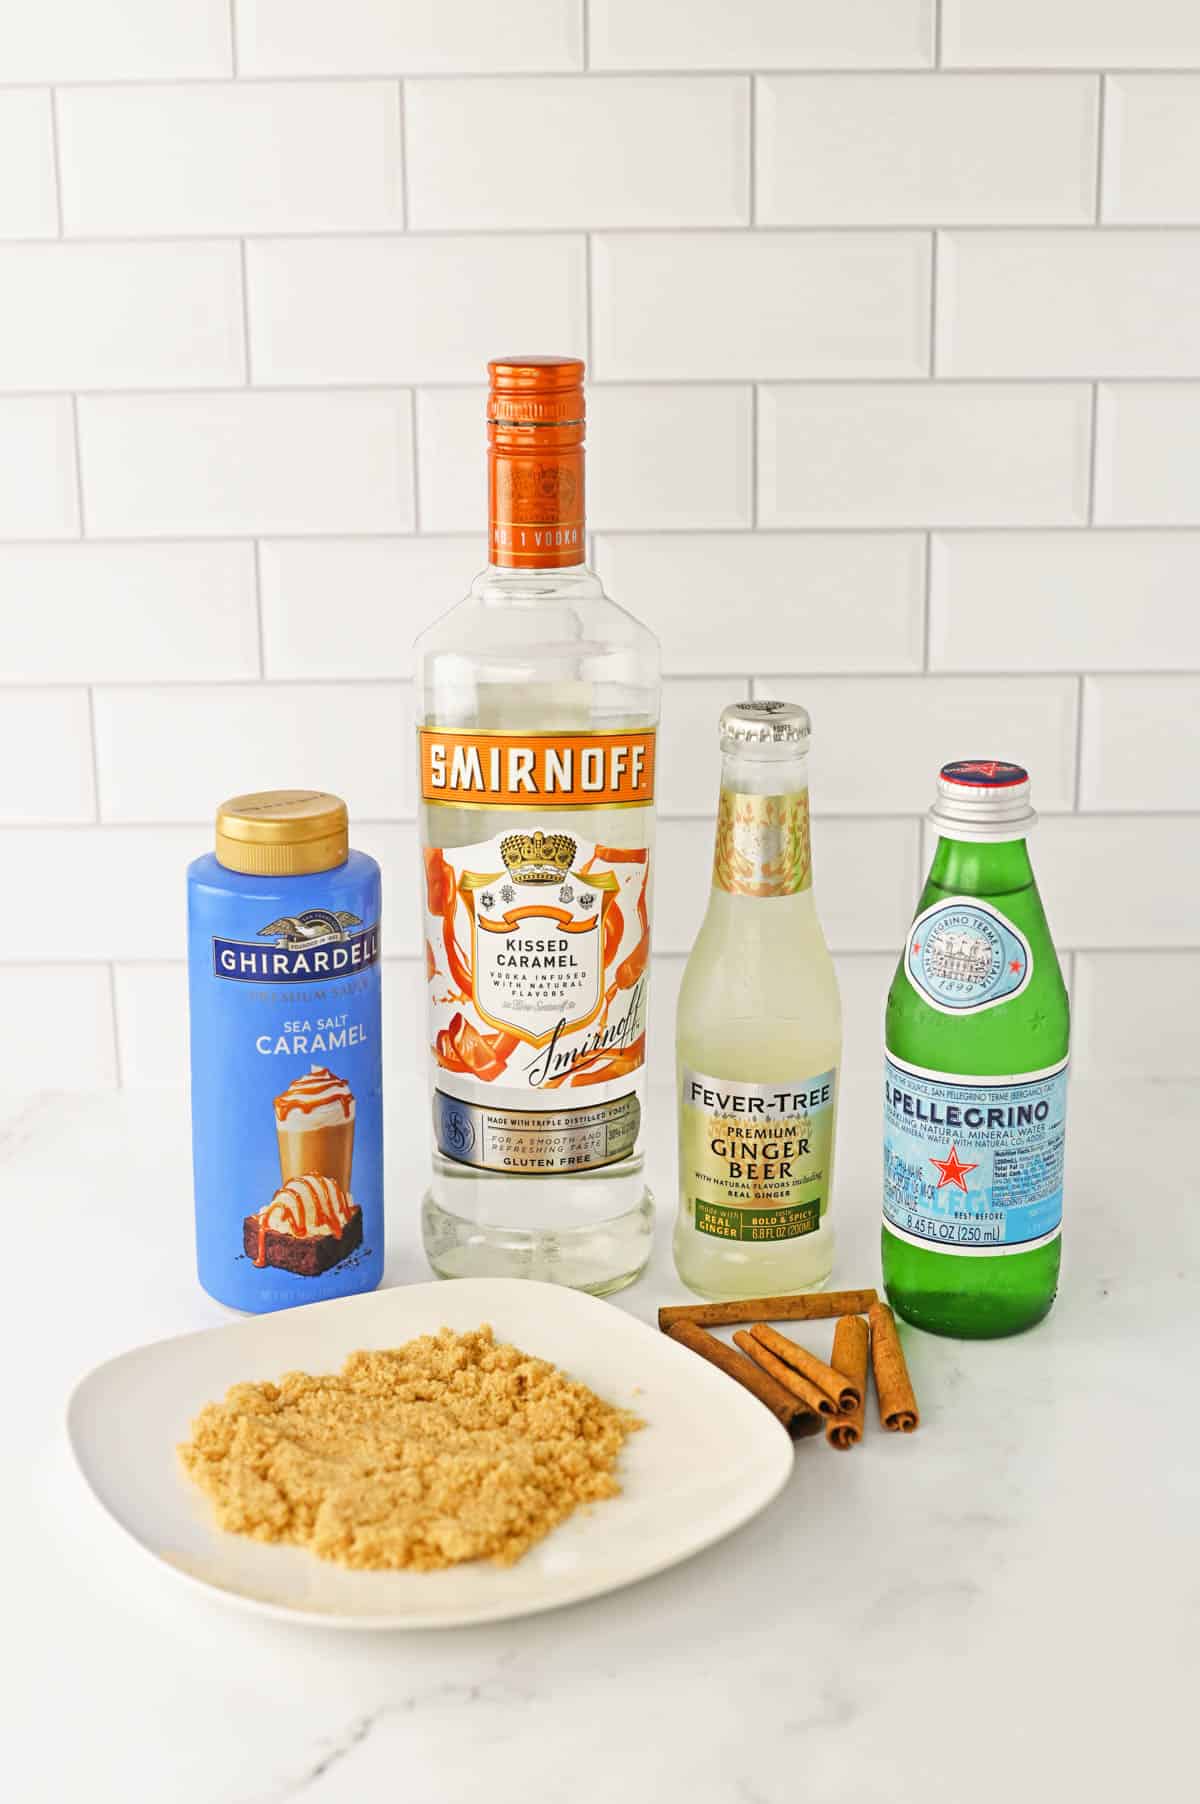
[309, 1226]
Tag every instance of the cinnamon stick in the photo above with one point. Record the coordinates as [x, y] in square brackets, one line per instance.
[842, 1393]
[788, 1409]
[897, 1403]
[851, 1355]
[807, 1306]
[809, 1394]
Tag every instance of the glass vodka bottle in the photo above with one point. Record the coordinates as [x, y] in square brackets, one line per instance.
[977, 1034]
[759, 1032]
[537, 702]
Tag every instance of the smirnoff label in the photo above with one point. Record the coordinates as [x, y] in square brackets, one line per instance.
[473, 769]
[536, 948]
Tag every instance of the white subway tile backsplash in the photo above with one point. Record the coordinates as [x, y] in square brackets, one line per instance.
[243, 324]
[639, 150]
[28, 198]
[825, 601]
[323, 461]
[86, 877]
[1141, 743]
[66, 1039]
[762, 34]
[1064, 601]
[114, 40]
[38, 487]
[408, 309]
[1151, 172]
[120, 316]
[152, 1024]
[427, 37]
[878, 742]
[1119, 881]
[853, 454]
[45, 756]
[712, 304]
[107, 865]
[1069, 304]
[669, 457]
[173, 754]
[82, 613]
[932, 149]
[1136, 1012]
[1067, 34]
[1147, 454]
[217, 157]
[689, 760]
[865, 879]
[376, 594]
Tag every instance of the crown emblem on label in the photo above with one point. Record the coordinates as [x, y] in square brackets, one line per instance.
[538, 857]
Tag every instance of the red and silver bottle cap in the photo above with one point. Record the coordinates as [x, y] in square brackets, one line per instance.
[983, 799]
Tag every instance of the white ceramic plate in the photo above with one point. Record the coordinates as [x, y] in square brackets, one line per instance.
[709, 1458]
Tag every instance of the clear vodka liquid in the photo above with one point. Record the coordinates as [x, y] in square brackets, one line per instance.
[977, 1035]
[759, 1032]
[538, 699]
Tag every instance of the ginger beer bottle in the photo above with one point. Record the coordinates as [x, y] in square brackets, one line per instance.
[759, 1035]
[976, 1075]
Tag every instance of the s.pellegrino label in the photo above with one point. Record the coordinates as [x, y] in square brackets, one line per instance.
[973, 1165]
[756, 1157]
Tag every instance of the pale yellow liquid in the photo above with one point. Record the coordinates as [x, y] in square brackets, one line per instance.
[758, 1004]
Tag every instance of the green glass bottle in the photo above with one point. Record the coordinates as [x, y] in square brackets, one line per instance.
[975, 1078]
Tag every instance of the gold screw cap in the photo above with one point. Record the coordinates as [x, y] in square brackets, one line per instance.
[283, 832]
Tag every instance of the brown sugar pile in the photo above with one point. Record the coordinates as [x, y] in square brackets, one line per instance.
[452, 1447]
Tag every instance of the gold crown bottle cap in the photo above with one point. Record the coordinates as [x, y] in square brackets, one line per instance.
[283, 832]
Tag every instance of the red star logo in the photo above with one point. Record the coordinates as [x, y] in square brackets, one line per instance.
[1014, 964]
[916, 945]
[987, 767]
[953, 1170]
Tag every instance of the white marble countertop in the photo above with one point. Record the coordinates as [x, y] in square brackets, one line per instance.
[1005, 1605]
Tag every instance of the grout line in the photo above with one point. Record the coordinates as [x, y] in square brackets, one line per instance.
[1080, 691]
[672, 73]
[1093, 438]
[1101, 112]
[333, 234]
[585, 33]
[666, 384]
[753, 125]
[927, 619]
[405, 213]
[937, 34]
[91, 708]
[247, 361]
[116, 1020]
[258, 612]
[78, 449]
[413, 450]
[56, 160]
[935, 239]
[588, 309]
[818, 673]
[233, 36]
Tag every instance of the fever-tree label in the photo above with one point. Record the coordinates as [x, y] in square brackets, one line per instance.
[756, 1156]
